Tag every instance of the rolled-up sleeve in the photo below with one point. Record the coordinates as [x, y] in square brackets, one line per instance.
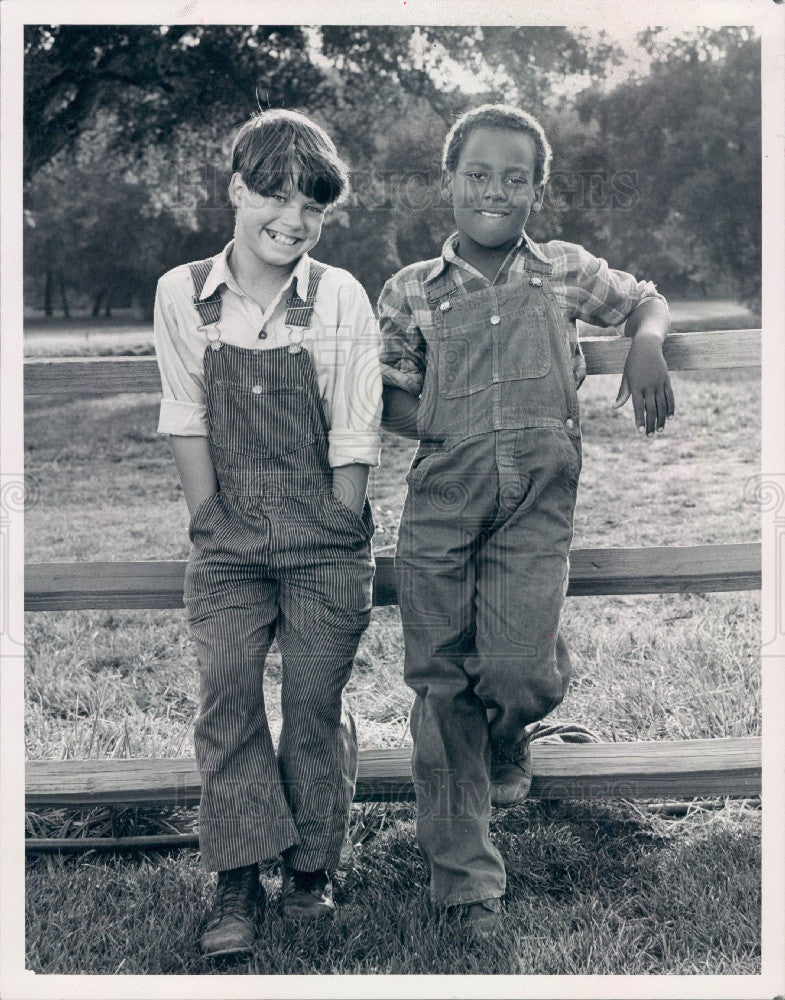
[403, 346]
[601, 295]
[183, 409]
[355, 403]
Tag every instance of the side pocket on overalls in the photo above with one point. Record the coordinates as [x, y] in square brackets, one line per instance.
[420, 461]
[347, 599]
[364, 522]
[574, 452]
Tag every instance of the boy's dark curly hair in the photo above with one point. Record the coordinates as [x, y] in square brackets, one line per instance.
[498, 116]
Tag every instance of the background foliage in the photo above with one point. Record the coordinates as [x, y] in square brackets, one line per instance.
[127, 131]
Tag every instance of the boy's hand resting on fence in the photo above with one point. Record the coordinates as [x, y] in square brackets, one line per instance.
[645, 376]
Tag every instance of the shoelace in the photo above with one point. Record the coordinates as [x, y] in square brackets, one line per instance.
[562, 732]
[232, 893]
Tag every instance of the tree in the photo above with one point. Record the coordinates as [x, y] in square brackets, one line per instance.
[134, 119]
[127, 127]
[93, 231]
[156, 79]
[689, 133]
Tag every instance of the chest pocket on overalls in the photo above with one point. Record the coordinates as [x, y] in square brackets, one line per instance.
[251, 418]
[481, 343]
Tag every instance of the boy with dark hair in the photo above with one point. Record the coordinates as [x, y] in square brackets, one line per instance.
[481, 363]
[272, 400]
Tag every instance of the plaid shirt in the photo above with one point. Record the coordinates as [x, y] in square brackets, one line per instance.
[584, 287]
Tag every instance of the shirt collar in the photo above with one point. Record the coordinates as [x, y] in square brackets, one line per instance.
[534, 249]
[448, 255]
[221, 274]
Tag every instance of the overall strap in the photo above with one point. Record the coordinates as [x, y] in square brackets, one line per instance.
[439, 291]
[299, 313]
[209, 309]
[536, 267]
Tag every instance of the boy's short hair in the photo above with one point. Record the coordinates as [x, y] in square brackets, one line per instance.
[272, 144]
[498, 116]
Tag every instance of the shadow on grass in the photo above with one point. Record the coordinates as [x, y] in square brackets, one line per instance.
[593, 888]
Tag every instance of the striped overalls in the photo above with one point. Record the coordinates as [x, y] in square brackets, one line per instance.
[483, 558]
[274, 554]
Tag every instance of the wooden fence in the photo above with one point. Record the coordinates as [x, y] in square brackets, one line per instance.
[662, 769]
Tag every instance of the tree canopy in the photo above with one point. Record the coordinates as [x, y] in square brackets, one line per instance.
[127, 131]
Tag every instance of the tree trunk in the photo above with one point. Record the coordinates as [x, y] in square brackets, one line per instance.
[64, 297]
[108, 303]
[97, 300]
[136, 305]
[48, 294]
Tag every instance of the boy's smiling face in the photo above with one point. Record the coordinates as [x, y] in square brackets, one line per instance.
[276, 228]
[492, 187]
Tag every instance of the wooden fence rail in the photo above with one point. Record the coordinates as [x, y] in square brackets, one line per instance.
[673, 569]
[687, 768]
[604, 356]
[638, 770]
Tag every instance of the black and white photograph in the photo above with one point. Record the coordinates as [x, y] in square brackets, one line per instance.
[392, 500]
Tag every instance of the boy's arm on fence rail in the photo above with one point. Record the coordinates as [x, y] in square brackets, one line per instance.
[650, 319]
[645, 376]
[196, 469]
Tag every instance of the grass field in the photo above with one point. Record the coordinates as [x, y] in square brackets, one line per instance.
[593, 888]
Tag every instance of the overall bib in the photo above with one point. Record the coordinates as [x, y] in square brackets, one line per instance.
[274, 554]
[483, 558]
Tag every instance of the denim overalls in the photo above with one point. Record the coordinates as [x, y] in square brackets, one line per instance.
[273, 554]
[483, 557]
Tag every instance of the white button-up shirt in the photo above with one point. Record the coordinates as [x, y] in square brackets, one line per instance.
[343, 342]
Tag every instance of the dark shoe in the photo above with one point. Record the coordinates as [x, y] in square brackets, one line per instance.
[306, 895]
[232, 922]
[511, 779]
[480, 920]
